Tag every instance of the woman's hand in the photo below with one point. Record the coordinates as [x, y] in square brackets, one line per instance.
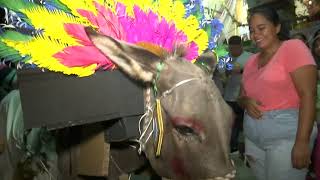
[300, 155]
[251, 106]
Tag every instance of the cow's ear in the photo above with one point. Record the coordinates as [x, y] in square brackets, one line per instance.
[207, 61]
[137, 62]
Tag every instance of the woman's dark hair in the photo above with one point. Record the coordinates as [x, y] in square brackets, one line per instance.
[271, 15]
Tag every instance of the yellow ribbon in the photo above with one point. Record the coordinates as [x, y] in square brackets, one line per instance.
[160, 127]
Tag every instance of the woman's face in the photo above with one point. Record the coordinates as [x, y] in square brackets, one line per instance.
[263, 32]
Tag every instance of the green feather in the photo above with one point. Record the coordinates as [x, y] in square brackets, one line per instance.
[16, 36]
[60, 5]
[10, 54]
[17, 6]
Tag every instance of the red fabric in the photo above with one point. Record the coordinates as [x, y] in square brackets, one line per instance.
[272, 84]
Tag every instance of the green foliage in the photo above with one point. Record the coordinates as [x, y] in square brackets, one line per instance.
[221, 50]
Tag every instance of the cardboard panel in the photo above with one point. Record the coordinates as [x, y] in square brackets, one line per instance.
[55, 100]
[93, 153]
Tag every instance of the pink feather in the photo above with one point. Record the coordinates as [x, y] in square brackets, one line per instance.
[82, 56]
[77, 31]
[89, 15]
[108, 23]
[143, 27]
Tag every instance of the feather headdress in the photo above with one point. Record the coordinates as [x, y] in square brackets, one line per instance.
[51, 35]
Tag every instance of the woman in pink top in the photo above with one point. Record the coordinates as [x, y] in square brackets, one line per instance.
[278, 94]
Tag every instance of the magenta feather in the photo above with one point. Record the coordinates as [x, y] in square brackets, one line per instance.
[155, 31]
[143, 27]
[192, 52]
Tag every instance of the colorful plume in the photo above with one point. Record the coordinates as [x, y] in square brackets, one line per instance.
[59, 42]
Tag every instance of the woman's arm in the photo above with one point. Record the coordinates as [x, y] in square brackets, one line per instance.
[241, 96]
[305, 79]
[249, 104]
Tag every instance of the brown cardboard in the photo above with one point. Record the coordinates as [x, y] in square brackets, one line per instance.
[92, 156]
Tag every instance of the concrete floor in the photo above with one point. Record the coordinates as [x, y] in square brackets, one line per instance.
[243, 172]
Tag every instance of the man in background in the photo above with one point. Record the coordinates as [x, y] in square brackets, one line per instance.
[232, 87]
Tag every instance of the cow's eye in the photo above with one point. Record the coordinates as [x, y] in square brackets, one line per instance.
[185, 130]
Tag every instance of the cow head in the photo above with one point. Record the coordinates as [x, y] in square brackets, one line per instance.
[196, 119]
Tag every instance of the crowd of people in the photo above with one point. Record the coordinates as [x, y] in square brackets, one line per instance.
[273, 94]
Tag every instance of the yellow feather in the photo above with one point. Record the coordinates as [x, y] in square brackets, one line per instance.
[80, 4]
[109, 4]
[42, 50]
[52, 23]
[174, 11]
[87, 5]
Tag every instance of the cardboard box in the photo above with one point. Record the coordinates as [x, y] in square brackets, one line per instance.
[55, 100]
[92, 158]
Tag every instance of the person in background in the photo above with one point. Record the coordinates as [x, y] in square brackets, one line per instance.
[278, 94]
[232, 87]
[217, 78]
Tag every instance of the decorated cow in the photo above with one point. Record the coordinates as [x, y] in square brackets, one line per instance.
[185, 130]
